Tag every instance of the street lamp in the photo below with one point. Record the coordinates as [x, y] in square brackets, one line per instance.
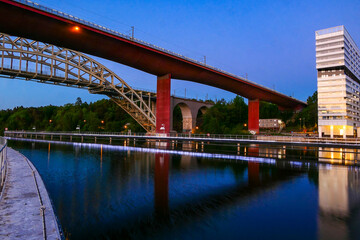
[162, 128]
[78, 128]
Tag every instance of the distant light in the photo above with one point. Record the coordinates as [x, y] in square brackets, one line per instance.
[76, 29]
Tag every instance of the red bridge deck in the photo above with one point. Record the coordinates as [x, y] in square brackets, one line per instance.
[21, 18]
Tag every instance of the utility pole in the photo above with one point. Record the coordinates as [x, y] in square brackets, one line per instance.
[132, 32]
[205, 60]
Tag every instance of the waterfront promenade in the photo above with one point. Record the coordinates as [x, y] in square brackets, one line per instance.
[296, 140]
[25, 208]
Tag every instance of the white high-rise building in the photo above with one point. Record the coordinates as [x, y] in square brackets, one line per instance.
[338, 66]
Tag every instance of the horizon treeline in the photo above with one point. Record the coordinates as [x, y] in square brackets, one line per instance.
[232, 117]
[102, 115]
[225, 117]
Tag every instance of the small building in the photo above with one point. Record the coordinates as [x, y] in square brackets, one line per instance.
[270, 123]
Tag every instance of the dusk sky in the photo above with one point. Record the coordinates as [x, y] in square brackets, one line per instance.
[271, 41]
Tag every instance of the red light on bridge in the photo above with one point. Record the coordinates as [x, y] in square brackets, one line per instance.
[75, 29]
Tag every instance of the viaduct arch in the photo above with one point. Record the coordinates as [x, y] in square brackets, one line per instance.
[189, 110]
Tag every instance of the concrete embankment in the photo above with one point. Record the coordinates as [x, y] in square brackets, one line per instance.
[25, 208]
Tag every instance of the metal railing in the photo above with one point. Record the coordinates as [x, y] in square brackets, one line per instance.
[290, 138]
[3, 152]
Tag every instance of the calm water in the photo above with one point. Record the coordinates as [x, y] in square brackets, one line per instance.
[249, 192]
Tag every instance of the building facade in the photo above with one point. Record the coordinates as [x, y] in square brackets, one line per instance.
[270, 123]
[338, 69]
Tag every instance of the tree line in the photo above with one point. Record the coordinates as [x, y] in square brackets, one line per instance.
[225, 117]
[102, 115]
[232, 117]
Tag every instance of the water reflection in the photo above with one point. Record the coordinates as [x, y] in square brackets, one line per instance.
[111, 192]
[161, 185]
[339, 155]
[339, 200]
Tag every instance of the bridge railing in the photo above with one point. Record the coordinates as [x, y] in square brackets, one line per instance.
[3, 163]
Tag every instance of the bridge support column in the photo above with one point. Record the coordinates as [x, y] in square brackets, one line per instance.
[253, 115]
[163, 104]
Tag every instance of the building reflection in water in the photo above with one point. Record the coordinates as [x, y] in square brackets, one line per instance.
[339, 197]
[338, 155]
[276, 152]
[187, 145]
[186, 161]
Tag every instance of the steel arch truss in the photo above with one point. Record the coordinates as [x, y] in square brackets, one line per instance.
[46, 63]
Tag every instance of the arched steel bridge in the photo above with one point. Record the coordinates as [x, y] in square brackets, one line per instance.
[33, 60]
[31, 20]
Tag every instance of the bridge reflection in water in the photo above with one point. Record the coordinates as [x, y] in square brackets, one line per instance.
[127, 193]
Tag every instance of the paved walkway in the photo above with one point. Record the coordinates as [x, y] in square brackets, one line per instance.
[20, 207]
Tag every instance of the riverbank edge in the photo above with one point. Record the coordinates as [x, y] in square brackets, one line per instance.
[53, 229]
[5, 181]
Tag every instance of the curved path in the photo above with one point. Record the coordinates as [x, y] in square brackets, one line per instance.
[22, 201]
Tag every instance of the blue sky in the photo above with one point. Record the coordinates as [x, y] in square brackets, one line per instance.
[272, 41]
